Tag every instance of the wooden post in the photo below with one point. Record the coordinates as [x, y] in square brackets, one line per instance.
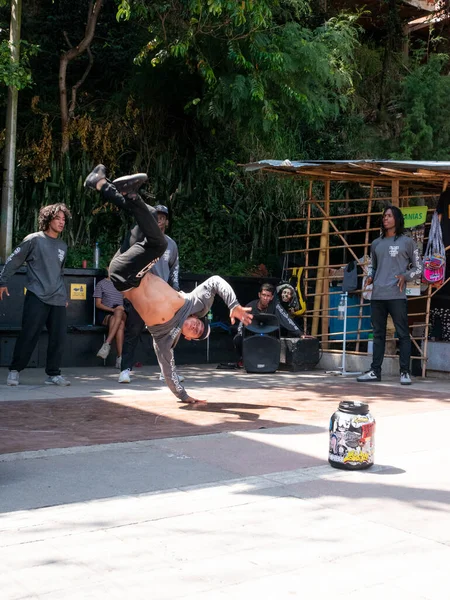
[395, 192]
[308, 230]
[425, 335]
[321, 262]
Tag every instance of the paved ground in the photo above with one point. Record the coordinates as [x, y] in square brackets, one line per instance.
[240, 512]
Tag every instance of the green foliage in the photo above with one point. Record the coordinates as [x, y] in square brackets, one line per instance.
[257, 60]
[202, 86]
[12, 73]
[423, 103]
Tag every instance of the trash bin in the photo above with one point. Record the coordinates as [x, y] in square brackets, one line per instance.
[352, 437]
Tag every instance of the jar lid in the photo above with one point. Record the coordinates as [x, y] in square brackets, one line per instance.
[354, 408]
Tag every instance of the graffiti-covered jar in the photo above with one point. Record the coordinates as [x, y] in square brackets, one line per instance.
[352, 436]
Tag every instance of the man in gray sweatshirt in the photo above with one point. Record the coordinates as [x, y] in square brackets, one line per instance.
[167, 313]
[46, 297]
[395, 261]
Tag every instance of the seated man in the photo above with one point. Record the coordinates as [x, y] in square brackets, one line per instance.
[267, 304]
[111, 314]
[166, 312]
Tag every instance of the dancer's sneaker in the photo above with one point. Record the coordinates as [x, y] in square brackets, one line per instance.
[119, 363]
[95, 176]
[130, 184]
[369, 376]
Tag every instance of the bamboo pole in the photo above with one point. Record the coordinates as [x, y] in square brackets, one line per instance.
[427, 326]
[349, 216]
[395, 192]
[381, 198]
[340, 234]
[312, 249]
[322, 260]
[302, 235]
[308, 231]
[326, 283]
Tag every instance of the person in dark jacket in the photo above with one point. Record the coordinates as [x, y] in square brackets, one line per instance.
[46, 297]
[267, 303]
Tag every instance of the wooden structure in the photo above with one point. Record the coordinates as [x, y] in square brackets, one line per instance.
[330, 225]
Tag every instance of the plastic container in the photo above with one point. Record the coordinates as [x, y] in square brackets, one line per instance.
[370, 344]
[341, 309]
[352, 437]
[96, 256]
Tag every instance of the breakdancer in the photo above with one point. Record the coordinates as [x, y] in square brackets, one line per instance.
[166, 313]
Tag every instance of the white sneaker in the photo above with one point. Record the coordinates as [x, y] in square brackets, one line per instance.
[124, 376]
[104, 351]
[161, 377]
[369, 376]
[119, 362]
[13, 378]
[57, 380]
[405, 378]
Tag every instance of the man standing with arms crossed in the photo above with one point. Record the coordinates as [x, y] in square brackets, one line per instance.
[392, 254]
[46, 297]
[168, 269]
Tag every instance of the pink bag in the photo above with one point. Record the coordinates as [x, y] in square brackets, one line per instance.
[434, 259]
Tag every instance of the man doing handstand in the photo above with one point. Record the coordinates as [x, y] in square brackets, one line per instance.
[166, 312]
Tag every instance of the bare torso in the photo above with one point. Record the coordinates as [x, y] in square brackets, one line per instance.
[154, 300]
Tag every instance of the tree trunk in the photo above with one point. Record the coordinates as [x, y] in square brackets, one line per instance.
[93, 13]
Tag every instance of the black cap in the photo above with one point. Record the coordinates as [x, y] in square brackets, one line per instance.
[162, 209]
[206, 329]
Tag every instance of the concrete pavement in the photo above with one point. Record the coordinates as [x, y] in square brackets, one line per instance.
[234, 514]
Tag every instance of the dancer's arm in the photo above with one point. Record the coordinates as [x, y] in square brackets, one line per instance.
[204, 294]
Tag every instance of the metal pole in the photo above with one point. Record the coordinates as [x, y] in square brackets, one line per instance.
[343, 370]
[344, 333]
[7, 212]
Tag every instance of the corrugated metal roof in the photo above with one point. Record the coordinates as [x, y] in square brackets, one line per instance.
[382, 171]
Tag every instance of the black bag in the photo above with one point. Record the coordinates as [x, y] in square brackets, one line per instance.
[351, 273]
[300, 354]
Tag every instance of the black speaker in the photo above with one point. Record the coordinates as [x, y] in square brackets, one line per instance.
[300, 354]
[261, 344]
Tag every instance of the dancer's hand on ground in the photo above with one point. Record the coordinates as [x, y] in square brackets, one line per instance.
[190, 400]
[3, 290]
[243, 313]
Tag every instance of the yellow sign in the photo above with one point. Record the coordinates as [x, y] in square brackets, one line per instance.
[77, 291]
[414, 215]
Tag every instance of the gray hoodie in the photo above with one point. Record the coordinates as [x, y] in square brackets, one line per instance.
[166, 335]
[168, 266]
[393, 256]
[45, 257]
